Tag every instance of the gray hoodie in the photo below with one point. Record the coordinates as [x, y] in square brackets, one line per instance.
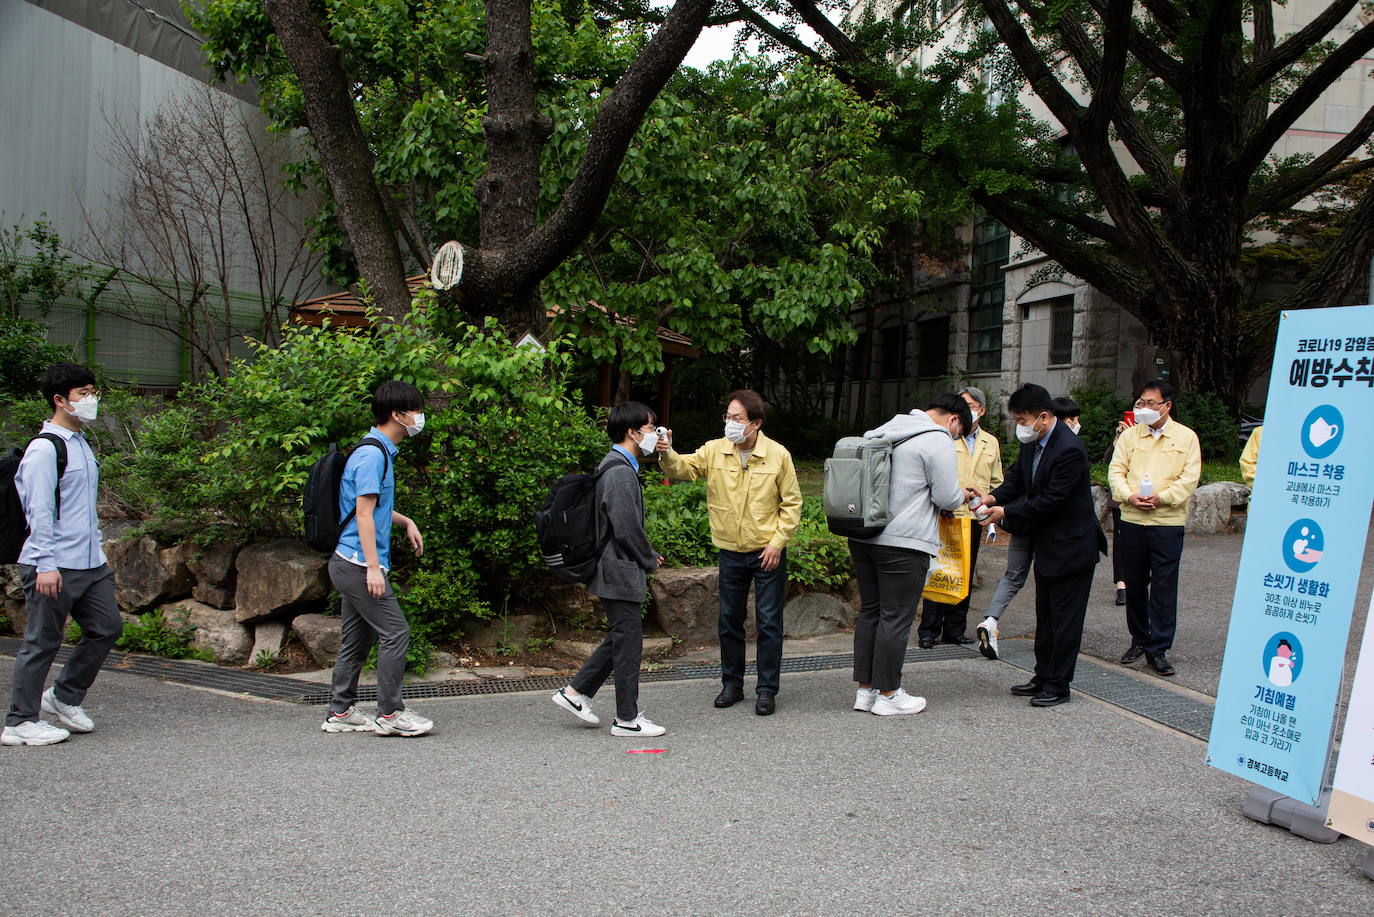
[925, 480]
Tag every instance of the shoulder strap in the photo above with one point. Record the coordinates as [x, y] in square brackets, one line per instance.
[60, 447]
[898, 442]
[386, 465]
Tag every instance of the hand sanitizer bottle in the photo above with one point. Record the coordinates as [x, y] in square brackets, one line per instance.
[1146, 488]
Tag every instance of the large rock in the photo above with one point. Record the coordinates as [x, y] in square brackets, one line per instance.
[510, 634]
[216, 630]
[210, 594]
[12, 599]
[814, 614]
[148, 574]
[214, 564]
[277, 578]
[1209, 510]
[687, 603]
[320, 635]
[1102, 506]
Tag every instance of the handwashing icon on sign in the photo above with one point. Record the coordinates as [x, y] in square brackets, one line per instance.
[1303, 545]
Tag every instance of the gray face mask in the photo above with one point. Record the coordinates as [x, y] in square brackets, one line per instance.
[734, 431]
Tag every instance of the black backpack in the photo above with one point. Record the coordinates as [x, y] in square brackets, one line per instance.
[14, 528]
[566, 527]
[320, 498]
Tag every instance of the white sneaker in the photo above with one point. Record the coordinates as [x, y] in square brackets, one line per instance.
[70, 716]
[898, 704]
[639, 726]
[351, 720]
[987, 638]
[31, 733]
[864, 698]
[580, 708]
[403, 723]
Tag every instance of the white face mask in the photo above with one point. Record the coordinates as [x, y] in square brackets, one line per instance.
[1074, 427]
[413, 429]
[86, 409]
[734, 431]
[1148, 416]
[1026, 433]
[649, 443]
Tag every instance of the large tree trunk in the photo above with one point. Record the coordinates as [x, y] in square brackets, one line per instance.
[343, 151]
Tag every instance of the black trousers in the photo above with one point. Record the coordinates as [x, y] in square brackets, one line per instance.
[890, 584]
[1150, 556]
[1061, 604]
[620, 653]
[950, 622]
[1117, 575]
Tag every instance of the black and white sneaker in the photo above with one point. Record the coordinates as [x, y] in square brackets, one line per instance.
[580, 708]
[987, 638]
[639, 726]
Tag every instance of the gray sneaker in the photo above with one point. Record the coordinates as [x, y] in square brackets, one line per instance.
[403, 723]
[351, 720]
[71, 716]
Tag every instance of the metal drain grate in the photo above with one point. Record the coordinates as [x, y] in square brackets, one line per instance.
[1155, 702]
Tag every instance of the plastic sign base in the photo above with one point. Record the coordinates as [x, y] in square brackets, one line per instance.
[1272, 808]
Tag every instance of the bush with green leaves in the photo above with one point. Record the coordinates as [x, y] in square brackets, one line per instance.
[158, 634]
[1100, 410]
[501, 427]
[24, 354]
[1214, 424]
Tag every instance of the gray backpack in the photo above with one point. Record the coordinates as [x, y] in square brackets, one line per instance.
[858, 485]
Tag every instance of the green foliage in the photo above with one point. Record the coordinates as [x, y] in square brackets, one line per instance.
[501, 427]
[34, 270]
[158, 634]
[71, 633]
[265, 659]
[24, 354]
[1100, 412]
[816, 558]
[1214, 424]
[420, 650]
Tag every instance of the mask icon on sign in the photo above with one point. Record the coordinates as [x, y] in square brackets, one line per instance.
[1322, 432]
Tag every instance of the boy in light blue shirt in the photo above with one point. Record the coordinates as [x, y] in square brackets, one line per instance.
[360, 567]
[61, 566]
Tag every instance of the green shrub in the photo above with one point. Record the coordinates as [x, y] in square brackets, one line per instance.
[1214, 424]
[501, 426]
[677, 523]
[157, 635]
[816, 558]
[1100, 412]
[24, 354]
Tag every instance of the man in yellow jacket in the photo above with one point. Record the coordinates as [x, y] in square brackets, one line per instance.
[1249, 456]
[755, 505]
[978, 456]
[1155, 469]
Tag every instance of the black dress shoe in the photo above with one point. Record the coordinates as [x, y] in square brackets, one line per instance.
[1029, 689]
[1160, 664]
[958, 641]
[1049, 699]
[764, 705]
[1132, 654]
[729, 696]
[927, 644]
[1121, 596]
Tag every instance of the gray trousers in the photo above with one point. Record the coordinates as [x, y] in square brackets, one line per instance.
[890, 584]
[1018, 568]
[619, 653]
[365, 621]
[89, 597]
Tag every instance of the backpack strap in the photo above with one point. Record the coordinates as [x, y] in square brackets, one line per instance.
[60, 446]
[386, 466]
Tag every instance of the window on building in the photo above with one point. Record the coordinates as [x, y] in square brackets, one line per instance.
[991, 252]
[1061, 330]
[932, 339]
[893, 341]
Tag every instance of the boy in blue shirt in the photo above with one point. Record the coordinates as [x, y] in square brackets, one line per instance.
[62, 567]
[360, 567]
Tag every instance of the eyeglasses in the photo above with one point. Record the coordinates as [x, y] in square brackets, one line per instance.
[737, 418]
[1150, 404]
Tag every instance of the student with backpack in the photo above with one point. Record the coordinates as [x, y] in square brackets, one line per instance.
[62, 566]
[626, 558]
[891, 566]
[360, 567]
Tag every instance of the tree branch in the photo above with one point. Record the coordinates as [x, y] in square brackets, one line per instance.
[1277, 198]
[831, 34]
[1116, 26]
[1149, 53]
[1269, 64]
[1346, 262]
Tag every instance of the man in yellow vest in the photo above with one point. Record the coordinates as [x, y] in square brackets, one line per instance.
[1154, 471]
[978, 458]
[755, 505]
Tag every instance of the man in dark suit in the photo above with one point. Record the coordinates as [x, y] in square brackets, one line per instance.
[1047, 498]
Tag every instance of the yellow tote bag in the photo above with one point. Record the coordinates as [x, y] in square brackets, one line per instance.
[948, 582]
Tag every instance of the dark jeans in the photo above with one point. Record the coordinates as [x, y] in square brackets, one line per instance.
[1117, 575]
[949, 622]
[1149, 564]
[1061, 604]
[890, 584]
[620, 653]
[89, 597]
[364, 621]
[737, 571]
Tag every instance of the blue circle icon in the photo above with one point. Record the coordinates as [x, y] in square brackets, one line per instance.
[1282, 659]
[1303, 545]
[1322, 431]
